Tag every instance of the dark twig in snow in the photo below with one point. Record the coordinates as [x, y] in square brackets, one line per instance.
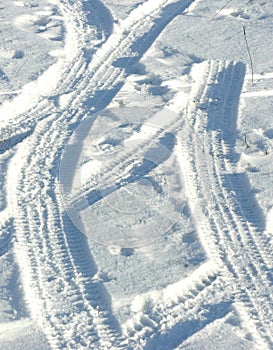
[247, 145]
[22, 65]
[217, 13]
[249, 54]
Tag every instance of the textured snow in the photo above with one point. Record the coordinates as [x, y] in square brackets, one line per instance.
[136, 174]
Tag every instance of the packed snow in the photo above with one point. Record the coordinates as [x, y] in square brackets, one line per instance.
[136, 201]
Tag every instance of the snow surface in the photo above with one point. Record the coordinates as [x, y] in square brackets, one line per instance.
[136, 179]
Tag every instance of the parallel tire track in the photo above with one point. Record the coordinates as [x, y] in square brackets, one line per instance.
[247, 255]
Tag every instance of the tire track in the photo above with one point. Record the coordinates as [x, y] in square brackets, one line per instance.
[57, 275]
[247, 256]
[225, 233]
[66, 72]
[166, 311]
[153, 327]
[125, 159]
[78, 75]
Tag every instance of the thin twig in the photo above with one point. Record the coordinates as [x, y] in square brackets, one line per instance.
[217, 13]
[247, 145]
[249, 54]
[22, 65]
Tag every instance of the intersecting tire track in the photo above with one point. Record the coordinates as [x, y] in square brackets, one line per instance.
[233, 244]
[60, 288]
[137, 328]
[180, 307]
[50, 250]
[85, 79]
[126, 158]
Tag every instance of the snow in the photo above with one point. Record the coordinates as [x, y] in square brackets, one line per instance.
[22, 335]
[136, 160]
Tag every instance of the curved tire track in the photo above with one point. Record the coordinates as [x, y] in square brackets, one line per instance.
[231, 236]
[58, 271]
[247, 256]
